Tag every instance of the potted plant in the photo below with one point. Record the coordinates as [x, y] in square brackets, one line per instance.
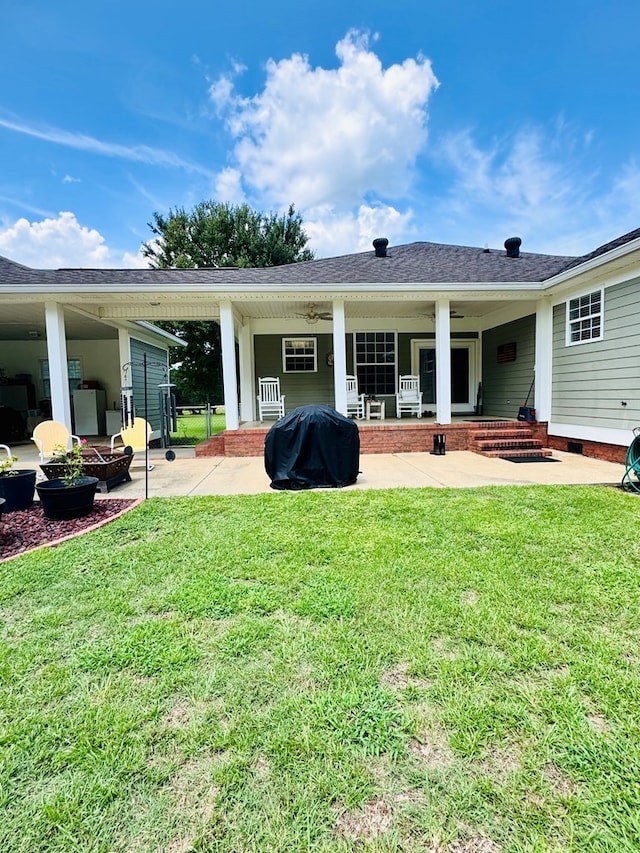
[17, 485]
[72, 494]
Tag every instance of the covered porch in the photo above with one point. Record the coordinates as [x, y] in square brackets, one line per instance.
[473, 356]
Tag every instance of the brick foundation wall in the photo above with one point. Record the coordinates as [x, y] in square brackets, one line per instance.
[593, 449]
[406, 437]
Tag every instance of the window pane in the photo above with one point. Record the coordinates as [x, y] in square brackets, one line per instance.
[299, 355]
[375, 362]
[584, 317]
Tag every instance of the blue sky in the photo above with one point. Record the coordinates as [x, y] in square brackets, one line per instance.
[460, 122]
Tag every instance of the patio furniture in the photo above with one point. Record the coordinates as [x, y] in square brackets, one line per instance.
[375, 409]
[270, 400]
[50, 435]
[355, 401]
[409, 396]
[136, 437]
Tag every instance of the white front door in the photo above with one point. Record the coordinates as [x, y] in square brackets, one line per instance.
[464, 379]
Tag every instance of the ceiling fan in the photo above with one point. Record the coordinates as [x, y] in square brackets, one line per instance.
[453, 314]
[312, 316]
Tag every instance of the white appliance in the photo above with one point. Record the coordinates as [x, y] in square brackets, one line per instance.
[114, 421]
[88, 412]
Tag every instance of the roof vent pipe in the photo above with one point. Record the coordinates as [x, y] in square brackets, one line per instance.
[380, 245]
[512, 245]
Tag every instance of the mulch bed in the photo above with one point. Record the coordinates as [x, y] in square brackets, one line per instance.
[24, 530]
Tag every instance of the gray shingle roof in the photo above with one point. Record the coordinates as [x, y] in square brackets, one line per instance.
[415, 263]
[412, 263]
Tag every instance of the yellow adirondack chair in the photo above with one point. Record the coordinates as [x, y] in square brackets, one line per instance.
[136, 437]
[50, 435]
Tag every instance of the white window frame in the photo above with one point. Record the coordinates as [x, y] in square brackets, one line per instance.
[45, 378]
[585, 314]
[308, 339]
[358, 364]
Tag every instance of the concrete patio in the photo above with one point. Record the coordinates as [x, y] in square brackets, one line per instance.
[217, 475]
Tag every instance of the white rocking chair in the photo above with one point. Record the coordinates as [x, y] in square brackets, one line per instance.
[270, 400]
[409, 396]
[355, 401]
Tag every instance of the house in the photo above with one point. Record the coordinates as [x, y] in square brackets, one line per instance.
[480, 327]
[59, 358]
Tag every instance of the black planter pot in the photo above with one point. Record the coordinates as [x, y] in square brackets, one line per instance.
[17, 489]
[63, 502]
[2, 502]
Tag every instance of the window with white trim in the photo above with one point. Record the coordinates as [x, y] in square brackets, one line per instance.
[376, 362]
[584, 318]
[300, 355]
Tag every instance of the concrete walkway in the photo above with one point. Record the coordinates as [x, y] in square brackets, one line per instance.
[187, 475]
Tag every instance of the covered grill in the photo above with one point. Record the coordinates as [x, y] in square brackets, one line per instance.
[312, 447]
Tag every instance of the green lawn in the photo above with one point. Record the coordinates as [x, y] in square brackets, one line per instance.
[191, 429]
[408, 670]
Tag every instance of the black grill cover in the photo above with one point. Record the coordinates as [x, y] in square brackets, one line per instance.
[312, 447]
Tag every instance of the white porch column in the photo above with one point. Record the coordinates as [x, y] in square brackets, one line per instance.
[57, 356]
[443, 362]
[247, 384]
[227, 336]
[339, 356]
[124, 354]
[543, 362]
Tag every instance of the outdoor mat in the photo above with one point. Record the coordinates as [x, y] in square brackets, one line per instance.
[529, 459]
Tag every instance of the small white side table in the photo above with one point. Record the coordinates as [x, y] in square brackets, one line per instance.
[374, 409]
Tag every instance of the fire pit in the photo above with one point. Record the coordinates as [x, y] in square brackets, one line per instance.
[110, 468]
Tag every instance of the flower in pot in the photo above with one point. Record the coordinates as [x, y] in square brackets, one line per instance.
[70, 495]
[17, 485]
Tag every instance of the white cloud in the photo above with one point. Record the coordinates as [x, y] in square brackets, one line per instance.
[60, 242]
[329, 141]
[69, 179]
[82, 142]
[538, 185]
[342, 145]
[229, 186]
[333, 233]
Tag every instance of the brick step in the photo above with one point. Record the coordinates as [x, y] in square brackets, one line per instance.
[506, 454]
[503, 433]
[509, 443]
[491, 425]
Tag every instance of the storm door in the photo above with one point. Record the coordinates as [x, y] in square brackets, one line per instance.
[462, 376]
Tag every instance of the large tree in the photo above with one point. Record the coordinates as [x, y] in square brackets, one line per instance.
[214, 234]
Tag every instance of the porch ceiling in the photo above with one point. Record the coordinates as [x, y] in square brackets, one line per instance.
[26, 322]
[90, 320]
[362, 309]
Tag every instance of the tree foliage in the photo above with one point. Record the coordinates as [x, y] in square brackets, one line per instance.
[216, 234]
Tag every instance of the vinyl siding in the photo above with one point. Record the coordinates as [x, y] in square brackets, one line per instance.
[505, 386]
[156, 374]
[590, 380]
[300, 389]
